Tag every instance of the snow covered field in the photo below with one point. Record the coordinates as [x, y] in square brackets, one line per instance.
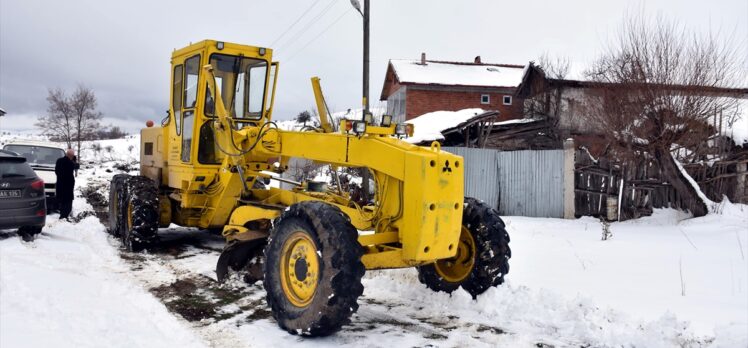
[661, 281]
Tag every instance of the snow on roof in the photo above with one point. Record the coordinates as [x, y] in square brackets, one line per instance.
[457, 74]
[429, 127]
[738, 130]
[515, 121]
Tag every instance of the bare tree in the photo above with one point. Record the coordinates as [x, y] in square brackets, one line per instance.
[303, 117]
[658, 86]
[110, 132]
[71, 119]
[546, 102]
[554, 67]
[85, 117]
[58, 123]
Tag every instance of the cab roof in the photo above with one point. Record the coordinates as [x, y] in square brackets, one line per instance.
[212, 43]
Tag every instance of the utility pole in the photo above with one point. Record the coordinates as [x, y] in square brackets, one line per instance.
[365, 175]
[366, 58]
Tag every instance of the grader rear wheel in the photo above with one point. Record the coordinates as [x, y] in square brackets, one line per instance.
[482, 257]
[140, 220]
[117, 195]
[313, 269]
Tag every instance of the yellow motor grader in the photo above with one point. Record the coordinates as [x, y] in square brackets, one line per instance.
[207, 164]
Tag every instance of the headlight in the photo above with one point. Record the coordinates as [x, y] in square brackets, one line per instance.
[359, 127]
[369, 118]
[386, 120]
[400, 129]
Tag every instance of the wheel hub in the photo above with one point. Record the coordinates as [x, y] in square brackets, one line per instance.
[299, 269]
[459, 267]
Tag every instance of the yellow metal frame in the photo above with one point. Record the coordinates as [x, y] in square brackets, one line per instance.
[417, 213]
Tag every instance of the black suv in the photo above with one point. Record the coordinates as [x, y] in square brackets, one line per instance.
[22, 199]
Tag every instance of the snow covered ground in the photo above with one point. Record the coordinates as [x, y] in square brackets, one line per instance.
[661, 281]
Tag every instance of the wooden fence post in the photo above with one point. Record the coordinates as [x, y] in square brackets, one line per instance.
[569, 153]
[741, 195]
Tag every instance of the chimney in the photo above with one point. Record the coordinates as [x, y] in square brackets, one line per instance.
[477, 59]
[423, 58]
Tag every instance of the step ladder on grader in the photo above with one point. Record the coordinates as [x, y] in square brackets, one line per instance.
[206, 166]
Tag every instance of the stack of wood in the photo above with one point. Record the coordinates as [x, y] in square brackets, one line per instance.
[485, 131]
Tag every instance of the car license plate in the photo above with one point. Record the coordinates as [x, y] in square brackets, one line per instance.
[10, 193]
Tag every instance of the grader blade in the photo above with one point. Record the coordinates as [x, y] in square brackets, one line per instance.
[238, 255]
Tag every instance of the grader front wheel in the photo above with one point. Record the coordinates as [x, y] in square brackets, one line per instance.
[313, 269]
[482, 257]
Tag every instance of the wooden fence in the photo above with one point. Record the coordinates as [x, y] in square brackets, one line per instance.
[599, 183]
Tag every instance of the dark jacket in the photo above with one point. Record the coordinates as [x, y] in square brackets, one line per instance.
[65, 168]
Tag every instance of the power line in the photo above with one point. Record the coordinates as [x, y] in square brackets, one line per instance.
[310, 24]
[318, 35]
[294, 23]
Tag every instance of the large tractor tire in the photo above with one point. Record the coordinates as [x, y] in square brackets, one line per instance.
[117, 204]
[141, 213]
[482, 258]
[313, 269]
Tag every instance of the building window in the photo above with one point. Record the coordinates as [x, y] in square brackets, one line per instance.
[507, 100]
[485, 99]
[396, 105]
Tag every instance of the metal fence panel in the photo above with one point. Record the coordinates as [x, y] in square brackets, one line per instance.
[531, 183]
[481, 173]
[521, 183]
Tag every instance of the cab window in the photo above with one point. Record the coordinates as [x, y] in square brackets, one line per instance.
[241, 83]
[192, 70]
[177, 97]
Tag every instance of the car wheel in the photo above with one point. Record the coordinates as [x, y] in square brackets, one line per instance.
[28, 233]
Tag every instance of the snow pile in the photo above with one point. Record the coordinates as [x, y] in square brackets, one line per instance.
[695, 269]
[122, 150]
[349, 114]
[525, 317]
[357, 114]
[125, 150]
[69, 288]
[457, 74]
[429, 127]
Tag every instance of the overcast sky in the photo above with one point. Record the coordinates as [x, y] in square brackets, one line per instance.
[122, 49]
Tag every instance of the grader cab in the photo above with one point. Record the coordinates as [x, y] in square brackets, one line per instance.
[206, 164]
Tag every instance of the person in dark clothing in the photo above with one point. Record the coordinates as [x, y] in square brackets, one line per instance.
[65, 169]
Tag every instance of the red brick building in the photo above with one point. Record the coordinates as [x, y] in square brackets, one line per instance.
[415, 87]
